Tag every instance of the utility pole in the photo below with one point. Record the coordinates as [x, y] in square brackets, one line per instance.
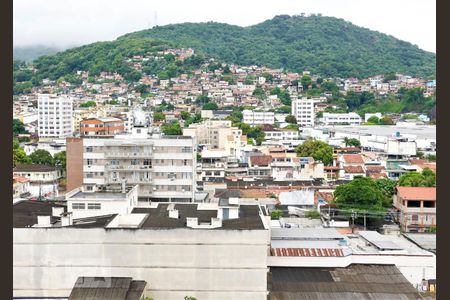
[353, 220]
[364, 221]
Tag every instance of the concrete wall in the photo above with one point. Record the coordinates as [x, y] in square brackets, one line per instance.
[207, 264]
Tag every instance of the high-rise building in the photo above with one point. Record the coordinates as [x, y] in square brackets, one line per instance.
[303, 111]
[54, 116]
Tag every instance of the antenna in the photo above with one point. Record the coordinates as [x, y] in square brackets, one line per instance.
[155, 18]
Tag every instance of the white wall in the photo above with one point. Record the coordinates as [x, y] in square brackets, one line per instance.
[211, 264]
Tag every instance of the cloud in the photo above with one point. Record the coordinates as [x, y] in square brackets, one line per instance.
[66, 22]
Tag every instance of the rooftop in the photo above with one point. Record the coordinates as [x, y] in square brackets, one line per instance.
[416, 193]
[420, 131]
[99, 196]
[353, 282]
[111, 288]
[33, 168]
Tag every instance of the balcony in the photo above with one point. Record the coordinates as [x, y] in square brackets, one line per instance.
[129, 180]
[128, 168]
[128, 154]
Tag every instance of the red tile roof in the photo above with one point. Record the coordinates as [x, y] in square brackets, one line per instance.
[353, 158]
[261, 160]
[354, 170]
[416, 193]
[20, 179]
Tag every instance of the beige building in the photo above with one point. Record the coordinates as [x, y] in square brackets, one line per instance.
[218, 134]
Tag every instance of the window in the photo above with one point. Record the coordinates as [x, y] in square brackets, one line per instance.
[90, 162]
[89, 149]
[76, 206]
[134, 162]
[172, 188]
[95, 206]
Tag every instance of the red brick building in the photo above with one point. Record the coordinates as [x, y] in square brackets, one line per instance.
[101, 127]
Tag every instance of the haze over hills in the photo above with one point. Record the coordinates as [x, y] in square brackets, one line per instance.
[323, 45]
[30, 53]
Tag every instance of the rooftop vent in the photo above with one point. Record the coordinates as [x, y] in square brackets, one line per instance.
[173, 213]
[57, 211]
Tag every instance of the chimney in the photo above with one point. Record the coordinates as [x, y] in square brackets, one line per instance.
[57, 211]
[192, 222]
[66, 219]
[43, 221]
[216, 222]
[173, 213]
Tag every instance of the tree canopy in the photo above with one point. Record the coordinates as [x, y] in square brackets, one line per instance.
[426, 178]
[361, 194]
[41, 157]
[319, 150]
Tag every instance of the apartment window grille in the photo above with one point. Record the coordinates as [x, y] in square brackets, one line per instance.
[94, 206]
[78, 206]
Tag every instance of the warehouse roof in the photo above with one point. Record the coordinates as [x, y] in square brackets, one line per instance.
[354, 282]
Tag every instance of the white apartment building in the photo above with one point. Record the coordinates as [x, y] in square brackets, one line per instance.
[54, 116]
[251, 117]
[303, 111]
[163, 167]
[341, 119]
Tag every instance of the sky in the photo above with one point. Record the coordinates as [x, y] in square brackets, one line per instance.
[67, 23]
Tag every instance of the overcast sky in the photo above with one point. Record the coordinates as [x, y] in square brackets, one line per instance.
[66, 23]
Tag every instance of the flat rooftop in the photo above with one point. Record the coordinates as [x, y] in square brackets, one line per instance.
[99, 196]
[25, 215]
[420, 131]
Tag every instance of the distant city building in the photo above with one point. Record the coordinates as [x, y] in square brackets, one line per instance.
[303, 111]
[341, 119]
[251, 117]
[54, 116]
[101, 126]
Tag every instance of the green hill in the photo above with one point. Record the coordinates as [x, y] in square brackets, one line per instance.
[323, 45]
[30, 53]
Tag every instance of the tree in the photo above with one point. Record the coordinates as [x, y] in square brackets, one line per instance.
[88, 104]
[292, 127]
[361, 194]
[387, 187]
[18, 127]
[185, 115]
[210, 106]
[172, 128]
[317, 149]
[305, 81]
[41, 157]
[373, 120]
[426, 178]
[352, 142]
[386, 121]
[19, 156]
[291, 119]
[60, 159]
[158, 116]
[276, 214]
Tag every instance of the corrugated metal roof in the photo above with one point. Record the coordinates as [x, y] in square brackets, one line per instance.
[354, 282]
[323, 252]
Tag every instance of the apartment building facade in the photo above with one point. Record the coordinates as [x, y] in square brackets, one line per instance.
[163, 167]
[303, 111]
[54, 116]
[251, 117]
[341, 119]
[416, 207]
